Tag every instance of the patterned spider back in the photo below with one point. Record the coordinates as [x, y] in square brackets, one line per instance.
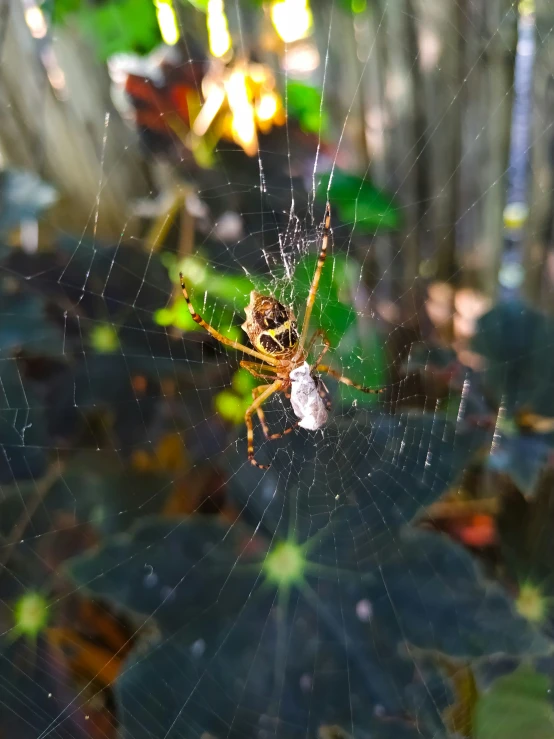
[270, 326]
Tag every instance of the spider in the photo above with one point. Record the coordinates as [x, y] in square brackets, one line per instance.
[282, 355]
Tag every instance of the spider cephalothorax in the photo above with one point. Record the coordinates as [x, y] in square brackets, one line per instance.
[281, 354]
[270, 326]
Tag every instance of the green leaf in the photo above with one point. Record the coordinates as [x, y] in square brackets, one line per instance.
[363, 361]
[304, 104]
[120, 26]
[103, 338]
[365, 365]
[243, 382]
[516, 706]
[214, 311]
[359, 203]
[201, 5]
[329, 313]
[231, 406]
[233, 289]
[31, 613]
[219, 298]
[354, 6]
[57, 10]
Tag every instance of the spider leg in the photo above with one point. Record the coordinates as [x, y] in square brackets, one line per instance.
[265, 427]
[311, 342]
[266, 391]
[253, 368]
[347, 381]
[324, 393]
[320, 333]
[317, 274]
[216, 334]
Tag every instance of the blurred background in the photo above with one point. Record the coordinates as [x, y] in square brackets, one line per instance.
[388, 577]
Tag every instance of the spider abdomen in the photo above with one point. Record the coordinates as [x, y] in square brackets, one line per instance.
[305, 399]
[279, 340]
[270, 326]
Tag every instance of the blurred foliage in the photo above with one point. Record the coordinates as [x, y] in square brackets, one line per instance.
[57, 10]
[525, 534]
[199, 4]
[305, 104]
[511, 392]
[113, 26]
[232, 404]
[518, 705]
[23, 196]
[358, 202]
[517, 342]
[222, 297]
[30, 615]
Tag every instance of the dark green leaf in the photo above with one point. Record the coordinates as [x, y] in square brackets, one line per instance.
[33, 696]
[25, 327]
[23, 196]
[232, 641]
[110, 497]
[235, 682]
[526, 529]
[521, 456]
[22, 433]
[371, 471]
[177, 571]
[517, 342]
[432, 595]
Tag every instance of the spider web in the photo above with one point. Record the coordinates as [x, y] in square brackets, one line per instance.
[300, 600]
